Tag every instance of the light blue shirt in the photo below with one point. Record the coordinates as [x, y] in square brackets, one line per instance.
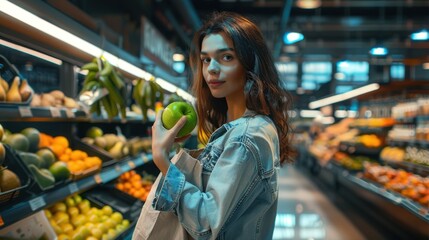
[239, 178]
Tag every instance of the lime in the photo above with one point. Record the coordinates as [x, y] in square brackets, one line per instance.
[94, 132]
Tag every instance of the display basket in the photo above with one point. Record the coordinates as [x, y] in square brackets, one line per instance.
[8, 73]
[12, 163]
[85, 173]
[105, 157]
[127, 205]
[35, 186]
[35, 226]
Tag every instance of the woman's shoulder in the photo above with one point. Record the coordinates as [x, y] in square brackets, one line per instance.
[255, 127]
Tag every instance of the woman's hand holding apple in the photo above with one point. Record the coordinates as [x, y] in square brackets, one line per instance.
[162, 141]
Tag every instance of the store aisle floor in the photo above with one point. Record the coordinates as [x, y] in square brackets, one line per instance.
[306, 213]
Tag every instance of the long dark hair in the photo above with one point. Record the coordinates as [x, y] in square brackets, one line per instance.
[263, 92]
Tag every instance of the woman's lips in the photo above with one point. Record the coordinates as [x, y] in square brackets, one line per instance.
[215, 83]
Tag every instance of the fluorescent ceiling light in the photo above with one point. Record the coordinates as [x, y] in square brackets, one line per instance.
[420, 36]
[31, 52]
[344, 96]
[378, 51]
[340, 113]
[310, 113]
[166, 85]
[292, 37]
[185, 95]
[73, 40]
[308, 4]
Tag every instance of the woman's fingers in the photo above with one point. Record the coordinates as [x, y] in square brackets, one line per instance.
[175, 130]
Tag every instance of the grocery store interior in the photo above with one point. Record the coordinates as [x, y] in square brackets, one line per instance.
[81, 82]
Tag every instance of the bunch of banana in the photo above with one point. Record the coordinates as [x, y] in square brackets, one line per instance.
[146, 94]
[102, 75]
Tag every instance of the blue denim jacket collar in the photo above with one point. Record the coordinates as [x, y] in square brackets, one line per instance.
[225, 127]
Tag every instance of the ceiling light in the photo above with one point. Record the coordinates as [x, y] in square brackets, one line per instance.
[344, 96]
[422, 35]
[378, 51]
[178, 57]
[339, 76]
[292, 37]
[308, 4]
[31, 52]
[310, 113]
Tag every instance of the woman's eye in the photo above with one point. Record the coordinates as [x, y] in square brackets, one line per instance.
[205, 60]
[227, 57]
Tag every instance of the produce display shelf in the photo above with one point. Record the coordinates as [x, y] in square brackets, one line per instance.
[405, 120]
[415, 168]
[392, 197]
[406, 143]
[372, 130]
[359, 149]
[26, 207]
[27, 113]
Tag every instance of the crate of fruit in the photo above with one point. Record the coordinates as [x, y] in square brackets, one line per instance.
[14, 178]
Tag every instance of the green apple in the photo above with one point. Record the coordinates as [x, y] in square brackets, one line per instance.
[174, 111]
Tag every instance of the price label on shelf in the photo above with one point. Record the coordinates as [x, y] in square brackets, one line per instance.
[37, 203]
[69, 113]
[55, 112]
[97, 179]
[131, 164]
[145, 158]
[73, 187]
[25, 112]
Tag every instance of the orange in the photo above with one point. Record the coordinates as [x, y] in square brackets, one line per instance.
[58, 150]
[61, 140]
[76, 155]
[64, 158]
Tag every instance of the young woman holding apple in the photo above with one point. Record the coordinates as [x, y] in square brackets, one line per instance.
[228, 190]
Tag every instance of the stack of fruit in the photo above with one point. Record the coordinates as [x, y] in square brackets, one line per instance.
[147, 95]
[116, 145]
[75, 218]
[41, 162]
[19, 91]
[392, 154]
[102, 75]
[55, 98]
[77, 161]
[8, 179]
[133, 184]
[406, 183]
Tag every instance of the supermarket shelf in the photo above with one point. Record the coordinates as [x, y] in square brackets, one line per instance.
[394, 198]
[406, 143]
[415, 168]
[359, 149]
[25, 208]
[27, 113]
[372, 130]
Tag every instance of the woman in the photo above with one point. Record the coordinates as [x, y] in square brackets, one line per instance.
[243, 111]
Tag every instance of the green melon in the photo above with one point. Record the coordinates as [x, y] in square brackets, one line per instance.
[18, 142]
[33, 136]
[47, 156]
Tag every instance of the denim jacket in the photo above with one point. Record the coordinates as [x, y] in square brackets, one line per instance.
[239, 180]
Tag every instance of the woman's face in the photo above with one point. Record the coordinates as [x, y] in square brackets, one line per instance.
[222, 71]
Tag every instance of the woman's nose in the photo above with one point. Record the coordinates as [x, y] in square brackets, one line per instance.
[213, 67]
